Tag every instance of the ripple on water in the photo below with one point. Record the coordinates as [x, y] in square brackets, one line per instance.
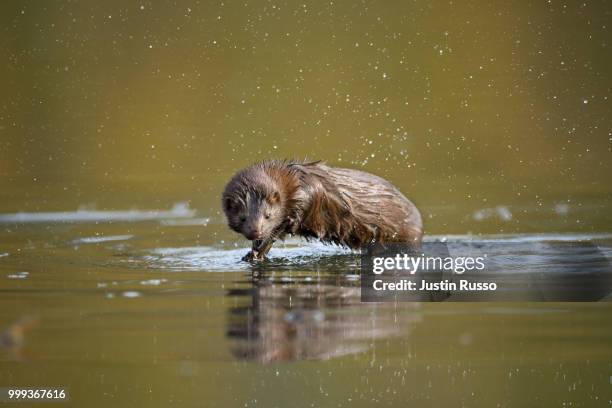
[178, 211]
[206, 258]
[505, 252]
[131, 294]
[18, 275]
[102, 238]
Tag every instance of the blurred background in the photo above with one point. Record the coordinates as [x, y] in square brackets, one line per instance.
[491, 117]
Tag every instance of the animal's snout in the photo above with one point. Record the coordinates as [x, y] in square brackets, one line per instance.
[251, 235]
[253, 232]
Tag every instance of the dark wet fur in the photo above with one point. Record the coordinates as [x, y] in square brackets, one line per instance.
[335, 205]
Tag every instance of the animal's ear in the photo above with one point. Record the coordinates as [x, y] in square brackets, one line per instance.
[274, 197]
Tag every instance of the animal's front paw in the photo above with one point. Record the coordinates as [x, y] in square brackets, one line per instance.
[253, 256]
[248, 257]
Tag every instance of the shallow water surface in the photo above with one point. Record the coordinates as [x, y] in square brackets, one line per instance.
[121, 122]
[134, 312]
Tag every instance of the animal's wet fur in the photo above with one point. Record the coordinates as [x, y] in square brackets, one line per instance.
[347, 207]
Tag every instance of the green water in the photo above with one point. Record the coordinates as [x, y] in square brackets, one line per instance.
[493, 118]
[147, 318]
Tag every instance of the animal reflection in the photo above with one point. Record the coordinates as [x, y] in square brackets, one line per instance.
[12, 339]
[302, 320]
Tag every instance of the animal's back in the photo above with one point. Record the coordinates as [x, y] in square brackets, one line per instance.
[376, 210]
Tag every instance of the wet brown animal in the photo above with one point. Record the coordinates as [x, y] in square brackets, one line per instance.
[351, 208]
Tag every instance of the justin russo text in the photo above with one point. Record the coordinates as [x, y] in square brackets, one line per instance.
[423, 285]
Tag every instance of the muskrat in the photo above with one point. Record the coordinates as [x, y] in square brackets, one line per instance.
[351, 208]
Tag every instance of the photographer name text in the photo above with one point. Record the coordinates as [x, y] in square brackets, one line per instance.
[444, 285]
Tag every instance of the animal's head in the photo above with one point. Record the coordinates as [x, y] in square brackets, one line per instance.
[254, 203]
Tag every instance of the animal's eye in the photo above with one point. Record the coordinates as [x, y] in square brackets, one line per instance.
[242, 219]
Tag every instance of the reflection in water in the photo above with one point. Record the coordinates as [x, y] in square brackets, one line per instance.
[304, 303]
[167, 312]
[291, 319]
[544, 269]
[12, 339]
